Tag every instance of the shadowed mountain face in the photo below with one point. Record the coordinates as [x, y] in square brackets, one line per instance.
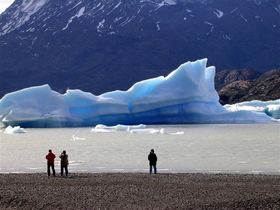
[226, 77]
[237, 86]
[99, 45]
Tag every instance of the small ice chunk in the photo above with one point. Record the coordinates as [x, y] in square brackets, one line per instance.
[147, 131]
[76, 138]
[118, 127]
[14, 130]
[177, 133]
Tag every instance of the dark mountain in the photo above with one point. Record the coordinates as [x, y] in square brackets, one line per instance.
[226, 77]
[103, 45]
[265, 87]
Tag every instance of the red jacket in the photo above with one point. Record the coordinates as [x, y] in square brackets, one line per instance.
[50, 157]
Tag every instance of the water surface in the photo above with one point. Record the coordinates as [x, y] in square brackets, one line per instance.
[202, 148]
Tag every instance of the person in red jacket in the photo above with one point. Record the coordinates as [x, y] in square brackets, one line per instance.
[50, 160]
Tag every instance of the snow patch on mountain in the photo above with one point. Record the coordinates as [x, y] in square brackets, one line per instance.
[245, 19]
[170, 2]
[278, 8]
[115, 7]
[158, 26]
[100, 25]
[77, 4]
[166, 3]
[227, 37]
[218, 13]
[79, 14]
[23, 14]
[211, 29]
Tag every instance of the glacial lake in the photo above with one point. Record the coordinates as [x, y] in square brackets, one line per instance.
[202, 148]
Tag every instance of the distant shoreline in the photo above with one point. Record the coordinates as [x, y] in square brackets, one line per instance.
[139, 191]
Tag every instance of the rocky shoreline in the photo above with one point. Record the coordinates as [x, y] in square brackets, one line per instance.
[139, 191]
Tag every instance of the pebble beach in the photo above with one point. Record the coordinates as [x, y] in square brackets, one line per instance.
[139, 191]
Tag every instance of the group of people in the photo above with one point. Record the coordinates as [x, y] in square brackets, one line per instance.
[63, 162]
[152, 157]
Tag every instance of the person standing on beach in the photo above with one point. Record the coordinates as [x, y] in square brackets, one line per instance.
[50, 161]
[64, 163]
[152, 157]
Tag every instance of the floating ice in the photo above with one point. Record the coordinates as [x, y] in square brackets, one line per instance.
[271, 108]
[105, 129]
[76, 138]
[136, 126]
[127, 128]
[14, 130]
[131, 129]
[177, 133]
[147, 131]
[186, 95]
[273, 111]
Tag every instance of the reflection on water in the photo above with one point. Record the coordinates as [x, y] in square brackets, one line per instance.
[202, 148]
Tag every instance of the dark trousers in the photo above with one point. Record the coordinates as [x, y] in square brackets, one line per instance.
[51, 165]
[155, 169]
[66, 170]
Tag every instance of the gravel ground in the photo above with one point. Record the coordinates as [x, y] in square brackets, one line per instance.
[139, 191]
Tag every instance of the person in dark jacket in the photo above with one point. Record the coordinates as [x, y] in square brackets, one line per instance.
[152, 157]
[64, 162]
[50, 162]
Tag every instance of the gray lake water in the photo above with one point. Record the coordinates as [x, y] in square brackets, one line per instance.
[202, 148]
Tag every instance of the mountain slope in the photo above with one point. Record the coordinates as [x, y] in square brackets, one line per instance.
[265, 87]
[226, 77]
[101, 45]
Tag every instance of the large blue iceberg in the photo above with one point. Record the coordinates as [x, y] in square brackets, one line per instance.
[186, 95]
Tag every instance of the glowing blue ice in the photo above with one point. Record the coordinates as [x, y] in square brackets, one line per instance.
[186, 95]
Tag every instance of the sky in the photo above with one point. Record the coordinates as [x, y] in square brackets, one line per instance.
[4, 4]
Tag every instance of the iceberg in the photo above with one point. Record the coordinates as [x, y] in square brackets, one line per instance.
[14, 130]
[271, 108]
[186, 95]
